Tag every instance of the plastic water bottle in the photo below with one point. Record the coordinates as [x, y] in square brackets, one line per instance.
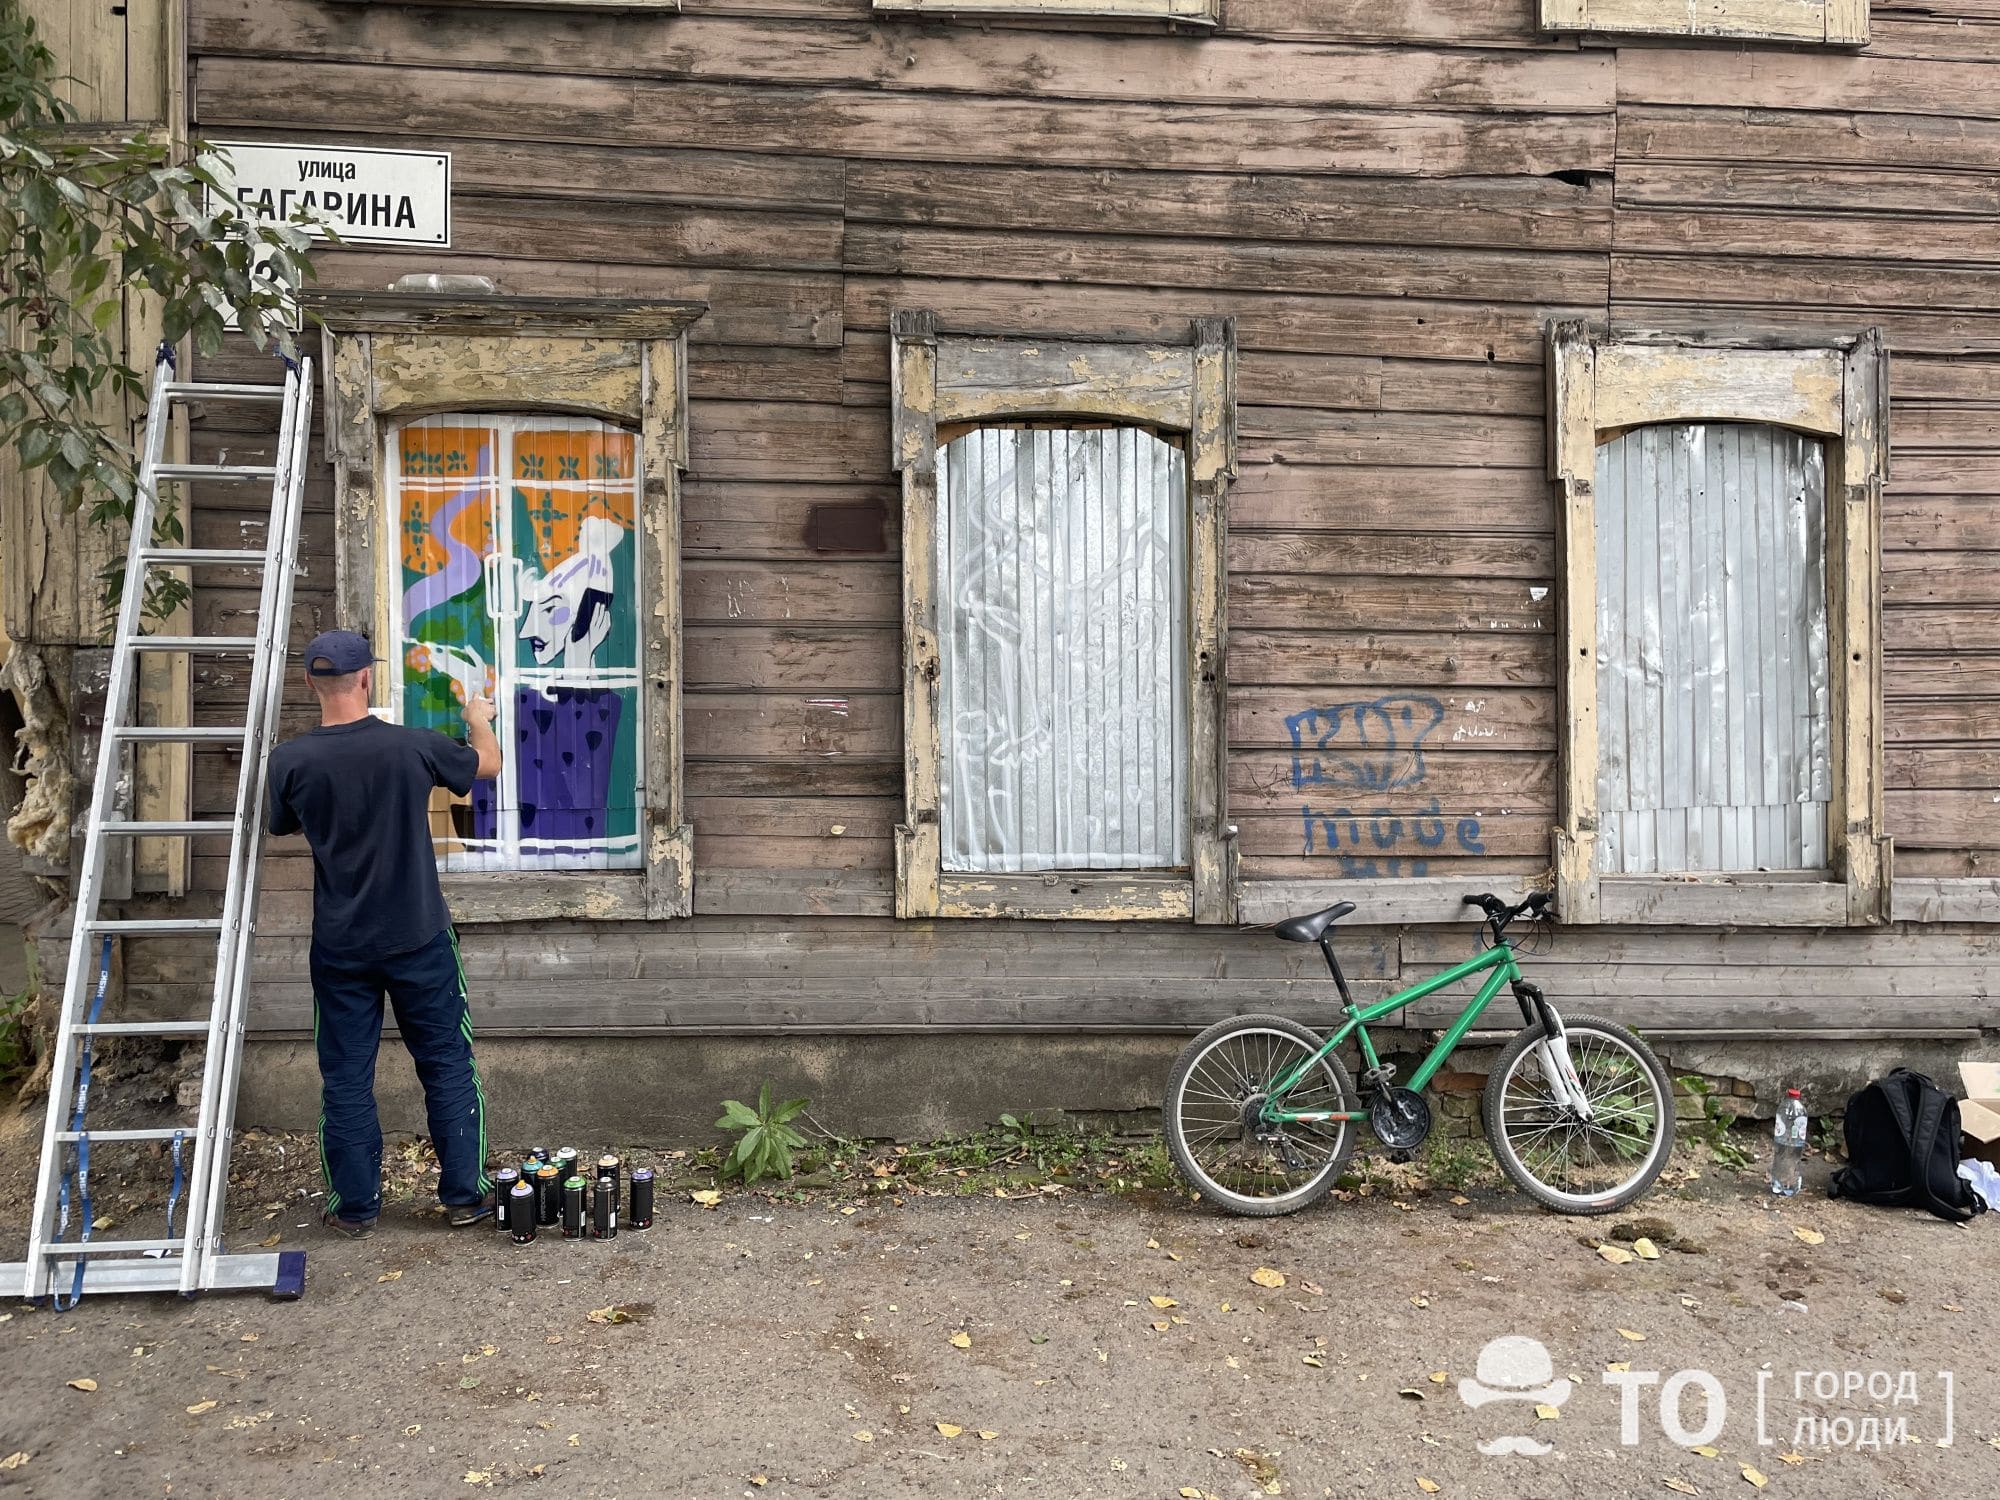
[1788, 1146]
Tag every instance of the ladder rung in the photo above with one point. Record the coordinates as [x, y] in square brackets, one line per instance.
[244, 643]
[70, 1250]
[139, 1028]
[241, 557]
[155, 1133]
[139, 828]
[141, 925]
[230, 473]
[195, 390]
[174, 734]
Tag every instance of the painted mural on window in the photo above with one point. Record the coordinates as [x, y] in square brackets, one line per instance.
[518, 579]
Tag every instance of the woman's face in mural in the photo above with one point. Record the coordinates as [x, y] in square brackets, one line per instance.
[569, 613]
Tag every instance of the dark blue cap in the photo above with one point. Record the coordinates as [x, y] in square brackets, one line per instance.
[343, 650]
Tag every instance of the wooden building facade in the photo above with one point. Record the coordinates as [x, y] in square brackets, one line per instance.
[1383, 287]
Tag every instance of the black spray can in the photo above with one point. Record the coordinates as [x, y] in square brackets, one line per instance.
[642, 1198]
[607, 1169]
[566, 1162]
[572, 1208]
[540, 1153]
[521, 1214]
[604, 1209]
[548, 1196]
[503, 1184]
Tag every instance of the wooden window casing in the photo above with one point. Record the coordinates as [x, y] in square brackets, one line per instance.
[1202, 14]
[1836, 23]
[1835, 389]
[391, 358]
[1187, 389]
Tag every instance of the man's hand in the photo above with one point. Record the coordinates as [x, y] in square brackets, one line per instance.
[479, 735]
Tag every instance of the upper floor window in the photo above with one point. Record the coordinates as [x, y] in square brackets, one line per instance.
[517, 581]
[1842, 23]
[1202, 13]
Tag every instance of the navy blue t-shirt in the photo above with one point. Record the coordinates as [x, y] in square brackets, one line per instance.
[360, 792]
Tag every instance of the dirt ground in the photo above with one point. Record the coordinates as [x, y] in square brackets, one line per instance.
[1055, 1342]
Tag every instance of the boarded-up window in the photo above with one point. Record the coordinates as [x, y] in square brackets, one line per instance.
[1712, 685]
[1062, 626]
[517, 581]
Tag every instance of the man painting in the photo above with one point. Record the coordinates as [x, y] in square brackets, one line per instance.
[359, 789]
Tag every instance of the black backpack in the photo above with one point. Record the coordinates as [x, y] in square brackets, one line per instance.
[1902, 1149]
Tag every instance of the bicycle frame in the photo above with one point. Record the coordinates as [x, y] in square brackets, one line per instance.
[1499, 958]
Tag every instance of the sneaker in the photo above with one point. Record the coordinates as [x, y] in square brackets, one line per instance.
[352, 1229]
[459, 1215]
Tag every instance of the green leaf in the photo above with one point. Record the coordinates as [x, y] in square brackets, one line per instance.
[736, 1115]
[791, 1109]
[1010, 1122]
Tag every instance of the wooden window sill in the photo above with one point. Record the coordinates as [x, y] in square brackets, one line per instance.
[1076, 895]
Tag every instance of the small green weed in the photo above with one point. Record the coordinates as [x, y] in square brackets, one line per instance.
[1712, 1129]
[765, 1148]
[17, 1042]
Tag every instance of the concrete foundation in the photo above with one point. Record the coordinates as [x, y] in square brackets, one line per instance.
[667, 1090]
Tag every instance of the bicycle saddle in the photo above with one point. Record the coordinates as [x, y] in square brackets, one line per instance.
[1308, 929]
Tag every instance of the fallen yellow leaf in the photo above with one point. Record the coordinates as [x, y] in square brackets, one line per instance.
[270, 1241]
[1808, 1236]
[1314, 1360]
[760, 1480]
[950, 1429]
[1439, 1377]
[1755, 1476]
[1645, 1249]
[249, 1338]
[1189, 1492]
[1428, 1486]
[986, 1435]
[1637, 1338]
[1163, 1302]
[413, 1429]
[86, 1384]
[864, 1436]
[1680, 1486]
[201, 1406]
[1794, 1459]
[961, 1340]
[706, 1197]
[390, 1276]
[1616, 1254]
[1548, 1413]
[15, 1460]
[1417, 1299]
[1620, 1367]
[1706, 1452]
[1265, 1276]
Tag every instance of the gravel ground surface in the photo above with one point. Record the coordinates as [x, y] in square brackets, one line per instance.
[1051, 1343]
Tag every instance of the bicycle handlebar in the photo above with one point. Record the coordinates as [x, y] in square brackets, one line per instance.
[1499, 913]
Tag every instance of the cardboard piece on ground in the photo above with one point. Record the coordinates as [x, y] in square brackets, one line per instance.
[1979, 1111]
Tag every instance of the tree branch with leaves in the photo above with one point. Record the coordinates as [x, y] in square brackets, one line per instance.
[84, 223]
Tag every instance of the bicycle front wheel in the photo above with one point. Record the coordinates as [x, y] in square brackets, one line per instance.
[1213, 1132]
[1565, 1162]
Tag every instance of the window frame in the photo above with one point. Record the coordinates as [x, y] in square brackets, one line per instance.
[1188, 388]
[1840, 23]
[1834, 388]
[395, 357]
[1197, 15]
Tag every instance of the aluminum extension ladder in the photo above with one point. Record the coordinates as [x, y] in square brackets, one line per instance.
[58, 1264]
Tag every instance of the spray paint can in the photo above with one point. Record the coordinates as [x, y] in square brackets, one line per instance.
[548, 1195]
[521, 1214]
[607, 1168]
[604, 1209]
[572, 1208]
[566, 1162]
[530, 1167]
[503, 1184]
[642, 1198]
[540, 1153]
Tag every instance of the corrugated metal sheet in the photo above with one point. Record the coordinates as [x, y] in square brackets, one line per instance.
[1062, 627]
[1712, 688]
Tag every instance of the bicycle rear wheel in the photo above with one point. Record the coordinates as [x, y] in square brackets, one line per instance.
[1210, 1117]
[1572, 1165]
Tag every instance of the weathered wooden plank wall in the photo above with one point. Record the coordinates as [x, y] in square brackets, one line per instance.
[1391, 201]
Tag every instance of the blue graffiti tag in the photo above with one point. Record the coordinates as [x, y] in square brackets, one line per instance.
[1373, 745]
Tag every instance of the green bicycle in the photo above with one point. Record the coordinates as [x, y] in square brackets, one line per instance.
[1261, 1114]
